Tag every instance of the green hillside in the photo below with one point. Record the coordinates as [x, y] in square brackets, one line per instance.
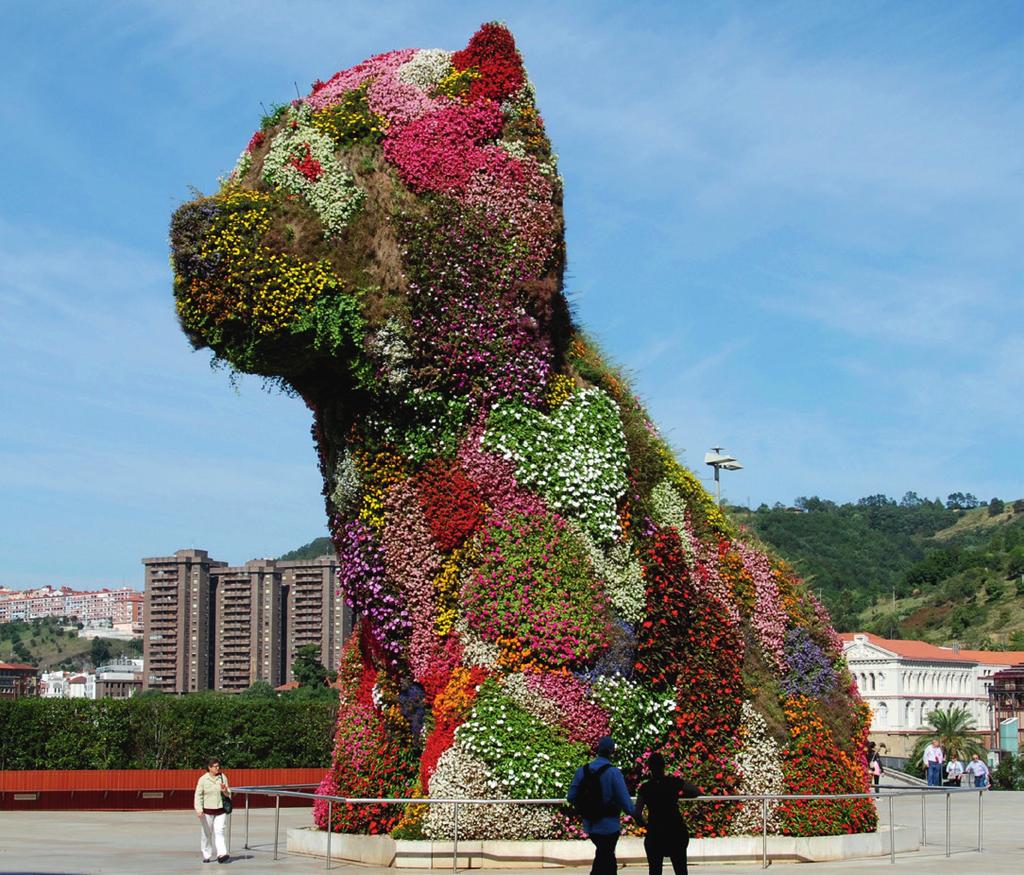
[913, 568]
[316, 547]
[46, 644]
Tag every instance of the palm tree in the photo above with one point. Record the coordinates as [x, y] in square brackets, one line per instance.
[955, 731]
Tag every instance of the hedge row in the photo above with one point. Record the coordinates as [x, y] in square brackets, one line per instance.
[161, 732]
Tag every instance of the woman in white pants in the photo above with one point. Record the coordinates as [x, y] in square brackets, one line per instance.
[211, 791]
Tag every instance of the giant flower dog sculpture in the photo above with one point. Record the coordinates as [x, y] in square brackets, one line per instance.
[530, 565]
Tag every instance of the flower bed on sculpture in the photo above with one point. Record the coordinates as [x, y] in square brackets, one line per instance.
[531, 566]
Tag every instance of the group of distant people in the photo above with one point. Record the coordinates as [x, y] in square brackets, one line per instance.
[955, 770]
[940, 771]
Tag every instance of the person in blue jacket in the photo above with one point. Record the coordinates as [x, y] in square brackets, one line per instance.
[604, 833]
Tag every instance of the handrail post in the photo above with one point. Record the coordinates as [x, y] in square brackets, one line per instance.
[981, 793]
[455, 840]
[330, 829]
[248, 796]
[924, 819]
[764, 833]
[892, 833]
[277, 821]
[948, 797]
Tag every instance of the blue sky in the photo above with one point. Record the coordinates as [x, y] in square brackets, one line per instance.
[799, 225]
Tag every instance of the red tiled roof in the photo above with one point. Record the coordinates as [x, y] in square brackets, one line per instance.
[17, 665]
[291, 685]
[77, 680]
[924, 650]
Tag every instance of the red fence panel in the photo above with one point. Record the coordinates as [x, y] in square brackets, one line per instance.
[134, 789]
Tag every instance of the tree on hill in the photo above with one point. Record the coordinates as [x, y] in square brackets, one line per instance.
[996, 506]
[911, 500]
[1015, 562]
[962, 501]
[99, 652]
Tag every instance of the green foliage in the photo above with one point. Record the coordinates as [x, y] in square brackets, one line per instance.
[1009, 774]
[1015, 562]
[962, 501]
[307, 668]
[421, 426]
[44, 642]
[333, 323]
[273, 115]
[945, 565]
[314, 549]
[574, 457]
[528, 758]
[638, 717]
[350, 120]
[165, 732]
[99, 651]
[534, 593]
[930, 570]
[259, 690]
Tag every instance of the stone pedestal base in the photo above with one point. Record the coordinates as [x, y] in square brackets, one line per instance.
[475, 854]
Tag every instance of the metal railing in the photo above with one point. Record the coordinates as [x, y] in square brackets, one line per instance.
[885, 791]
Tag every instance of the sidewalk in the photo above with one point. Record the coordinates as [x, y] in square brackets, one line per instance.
[167, 843]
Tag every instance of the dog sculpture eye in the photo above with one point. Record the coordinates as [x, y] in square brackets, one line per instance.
[530, 566]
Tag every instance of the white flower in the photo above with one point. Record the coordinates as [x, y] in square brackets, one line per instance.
[333, 196]
[425, 69]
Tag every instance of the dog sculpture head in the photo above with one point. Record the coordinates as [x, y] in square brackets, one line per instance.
[327, 258]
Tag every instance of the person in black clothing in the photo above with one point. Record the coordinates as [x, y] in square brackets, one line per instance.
[875, 769]
[667, 835]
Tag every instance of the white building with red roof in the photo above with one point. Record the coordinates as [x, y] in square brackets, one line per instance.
[904, 681]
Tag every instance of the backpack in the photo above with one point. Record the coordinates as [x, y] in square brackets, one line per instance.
[589, 802]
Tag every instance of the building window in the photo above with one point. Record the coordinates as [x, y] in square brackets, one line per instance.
[881, 716]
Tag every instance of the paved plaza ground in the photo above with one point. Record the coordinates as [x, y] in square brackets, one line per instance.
[135, 842]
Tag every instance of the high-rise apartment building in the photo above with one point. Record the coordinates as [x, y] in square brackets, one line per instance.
[247, 643]
[179, 633]
[314, 614]
[211, 626]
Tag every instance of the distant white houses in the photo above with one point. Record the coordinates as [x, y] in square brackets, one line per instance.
[904, 681]
[67, 685]
[117, 680]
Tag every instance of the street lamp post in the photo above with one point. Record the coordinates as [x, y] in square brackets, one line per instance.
[718, 460]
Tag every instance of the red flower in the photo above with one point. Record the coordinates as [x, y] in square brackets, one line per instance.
[451, 503]
[256, 141]
[492, 50]
[306, 164]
